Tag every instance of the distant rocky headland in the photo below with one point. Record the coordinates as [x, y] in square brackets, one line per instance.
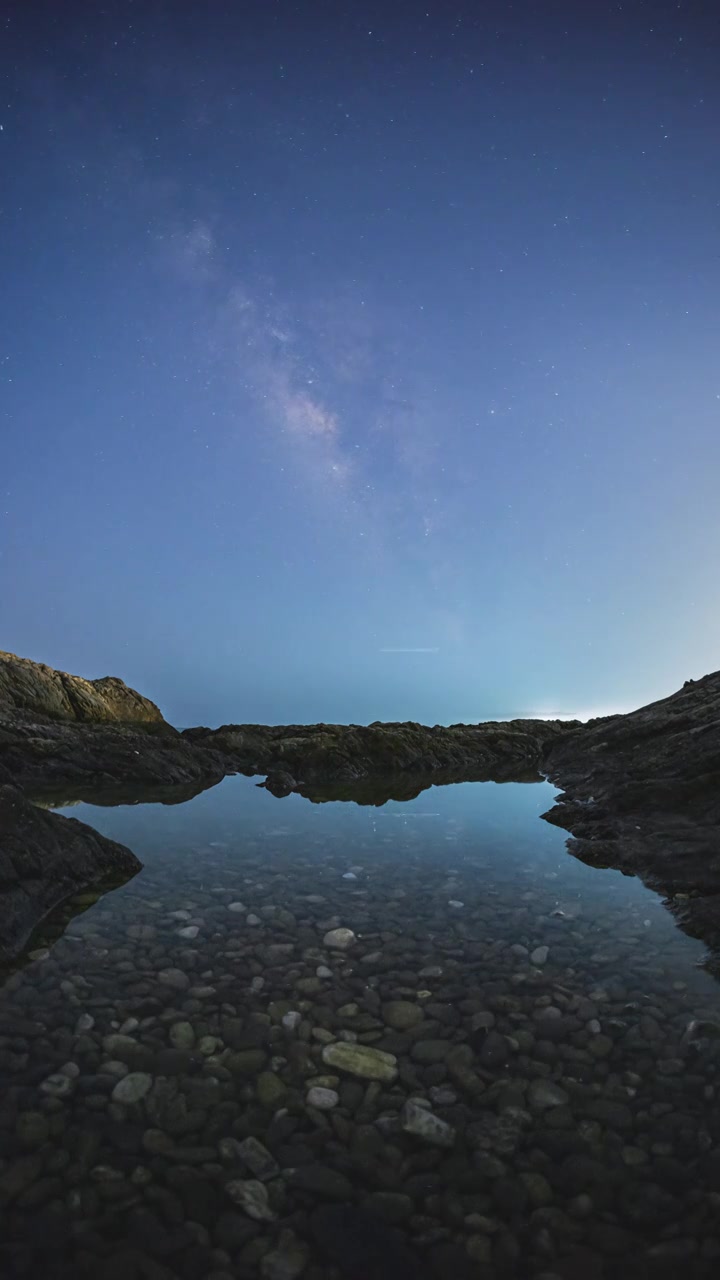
[641, 792]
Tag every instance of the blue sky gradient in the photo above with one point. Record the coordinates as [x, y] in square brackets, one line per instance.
[331, 332]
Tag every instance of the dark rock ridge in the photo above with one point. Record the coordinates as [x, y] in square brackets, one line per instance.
[302, 756]
[648, 782]
[114, 761]
[642, 794]
[43, 859]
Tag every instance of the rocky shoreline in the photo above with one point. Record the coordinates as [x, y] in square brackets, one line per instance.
[641, 792]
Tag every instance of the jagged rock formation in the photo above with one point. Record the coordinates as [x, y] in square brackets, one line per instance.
[642, 791]
[61, 735]
[106, 762]
[44, 858]
[319, 754]
[642, 795]
[34, 691]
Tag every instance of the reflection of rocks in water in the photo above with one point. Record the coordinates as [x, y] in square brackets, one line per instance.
[44, 858]
[114, 793]
[378, 791]
[166, 1098]
[52, 927]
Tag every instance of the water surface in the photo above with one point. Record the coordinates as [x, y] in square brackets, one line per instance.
[550, 1016]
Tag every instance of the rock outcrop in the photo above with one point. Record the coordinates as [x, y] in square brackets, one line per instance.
[303, 756]
[95, 740]
[62, 737]
[107, 763]
[649, 784]
[642, 794]
[37, 692]
[44, 858]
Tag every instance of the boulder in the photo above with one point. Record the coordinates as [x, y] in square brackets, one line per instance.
[45, 858]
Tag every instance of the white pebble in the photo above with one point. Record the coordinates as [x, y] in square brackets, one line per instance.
[321, 1098]
[339, 939]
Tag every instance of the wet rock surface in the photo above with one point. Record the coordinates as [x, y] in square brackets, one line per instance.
[159, 1106]
[296, 757]
[642, 793]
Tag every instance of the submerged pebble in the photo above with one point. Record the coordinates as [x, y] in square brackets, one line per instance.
[249, 1063]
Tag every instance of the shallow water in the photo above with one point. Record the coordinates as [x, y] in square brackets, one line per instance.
[538, 1008]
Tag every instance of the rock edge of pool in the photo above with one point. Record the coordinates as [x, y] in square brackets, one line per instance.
[640, 791]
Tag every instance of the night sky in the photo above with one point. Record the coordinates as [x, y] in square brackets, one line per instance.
[362, 361]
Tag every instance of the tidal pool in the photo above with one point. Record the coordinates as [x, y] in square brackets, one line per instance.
[506, 1068]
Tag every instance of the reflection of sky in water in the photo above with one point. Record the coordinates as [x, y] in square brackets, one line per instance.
[490, 835]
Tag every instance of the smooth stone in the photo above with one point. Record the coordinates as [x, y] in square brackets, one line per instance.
[57, 1085]
[85, 1022]
[442, 1096]
[190, 931]
[422, 1123]
[117, 1044]
[208, 1045]
[539, 955]
[132, 1087]
[287, 1260]
[244, 1062]
[428, 1052]
[271, 1090]
[339, 939]
[156, 1142]
[252, 1197]
[258, 1159]
[543, 1094]
[321, 1181]
[174, 978]
[361, 1060]
[401, 1015]
[237, 906]
[291, 1020]
[182, 1035]
[323, 1099]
